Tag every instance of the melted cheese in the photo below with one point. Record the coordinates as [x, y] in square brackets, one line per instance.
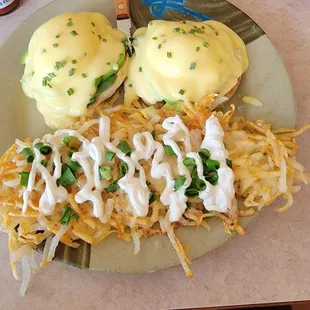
[86, 38]
[90, 156]
[176, 61]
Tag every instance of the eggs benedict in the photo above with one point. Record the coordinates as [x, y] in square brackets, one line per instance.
[73, 60]
[177, 62]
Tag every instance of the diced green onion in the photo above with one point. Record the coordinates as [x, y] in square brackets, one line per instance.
[58, 35]
[148, 183]
[192, 66]
[70, 91]
[73, 165]
[188, 162]
[43, 51]
[204, 154]
[28, 154]
[220, 61]
[153, 134]
[99, 36]
[67, 140]
[51, 75]
[206, 44]
[73, 33]
[169, 150]
[112, 188]
[177, 29]
[216, 33]
[212, 177]
[152, 197]
[44, 82]
[85, 54]
[197, 49]
[55, 45]
[201, 185]
[169, 54]
[71, 71]
[58, 65]
[191, 193]
[212, 165]
[229, 163]
[38, 145]
[179, 182]
[109, 155]
[24, 177]
[45, 149]
[181, 91]
[84, 75]
[67, 177]
[140, 69]
[105, 172]
[123, 169]
[75, 217]
[66, 215]
[44, 163]
[93, 24]
[154, 38]
[74, 61]
[49, 85]
[69, 24]
[23, 57]
[71, 151]
[159, 46]
[104, 40]
[108, 63]
[125, 147]
[129, 85]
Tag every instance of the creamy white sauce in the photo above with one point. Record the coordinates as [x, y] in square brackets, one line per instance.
[91, 156]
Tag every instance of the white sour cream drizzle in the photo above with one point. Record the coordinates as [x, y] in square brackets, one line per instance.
[92, 155]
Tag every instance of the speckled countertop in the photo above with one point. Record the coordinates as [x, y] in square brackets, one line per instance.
[270, 264]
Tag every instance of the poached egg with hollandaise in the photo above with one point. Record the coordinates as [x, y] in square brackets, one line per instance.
[73, 60]
[176, 61]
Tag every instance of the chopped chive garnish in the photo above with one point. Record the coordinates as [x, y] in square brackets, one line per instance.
[73, 33]
[43, 51]
[220, 61]
[212, 177]
[192, 66]
[67, 140]
[38, 145]
[105, 172]
[177, 29]
[93, 24]
[74, 217]
[44, 82]
[125, 147]
[73, 165]
[85, 54]
[169, 150]
[59, 64]
[84, 75]
[93, 32]
[99, 36]
[51, 75]
[112, 188]
[212, 165]
[44, 163]
[123, 169]
[129, 85]
[153, 197]
[216, 33]
[55, 45]
[70, 91]
[58, 35]
[104, 40]
[206, 44]
[188, 162]
[181, 91]
[229, 163]
[200, 185]
[191, 193]
[204, 155]
[169, 54]
[159, 46]
[197, 49]
[70, 19]
[108, 63]
[49, 85]
[66, 215]
[109, 155]
[148, 183]
[153, 133]
[74, 61]
[28, 154]
[24, 177]
[44, 149]
[71, 152]
[71, 71]
[179, 182]
[140, 69]
[154, 38]
[69, 24]
[67, 178]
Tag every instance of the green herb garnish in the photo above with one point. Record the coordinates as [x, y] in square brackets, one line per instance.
[71, 71]
[179, 182]
[55, 45]
[28, 154]
[188, 162]
[123, 169]
[73, 33]
[169, 150]
[105, 172]
[153, 197]
[67, 178]
[70, 91]
[24, 177]
[169, 54]
[181, 91]
[109, 155]
[112, 188]
[84, 75]
[74, 61]
[66, 215]
[125, 148]
[192, 66]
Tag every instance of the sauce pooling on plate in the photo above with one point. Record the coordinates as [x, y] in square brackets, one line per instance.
[183, 178]
[176, 61]
[65, 60]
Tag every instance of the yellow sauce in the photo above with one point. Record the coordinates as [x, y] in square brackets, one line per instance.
[177, 61]
[87, 46]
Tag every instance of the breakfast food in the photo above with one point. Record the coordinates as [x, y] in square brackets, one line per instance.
[134, 168]
[179, 62]
[73, 60]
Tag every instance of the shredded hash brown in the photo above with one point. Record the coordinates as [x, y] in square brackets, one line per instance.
[263, 161]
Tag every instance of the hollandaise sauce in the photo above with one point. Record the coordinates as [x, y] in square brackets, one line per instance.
[176, 61]
[69, 59]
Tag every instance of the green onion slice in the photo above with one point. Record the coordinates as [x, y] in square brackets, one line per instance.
[112, 188]
[105, 172]
[204, 154]
[169, 150]
[191, 193]
[212, 165]
[123, 169]
[67, 177]
[70, 91]
[179, 182]
[44, 163]
[66, 215]
[229, 163]
[73, 165]
[188, 162]
[24, 177]
[125, 148]
[109, 155]
[28, 154]
[152, 197]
